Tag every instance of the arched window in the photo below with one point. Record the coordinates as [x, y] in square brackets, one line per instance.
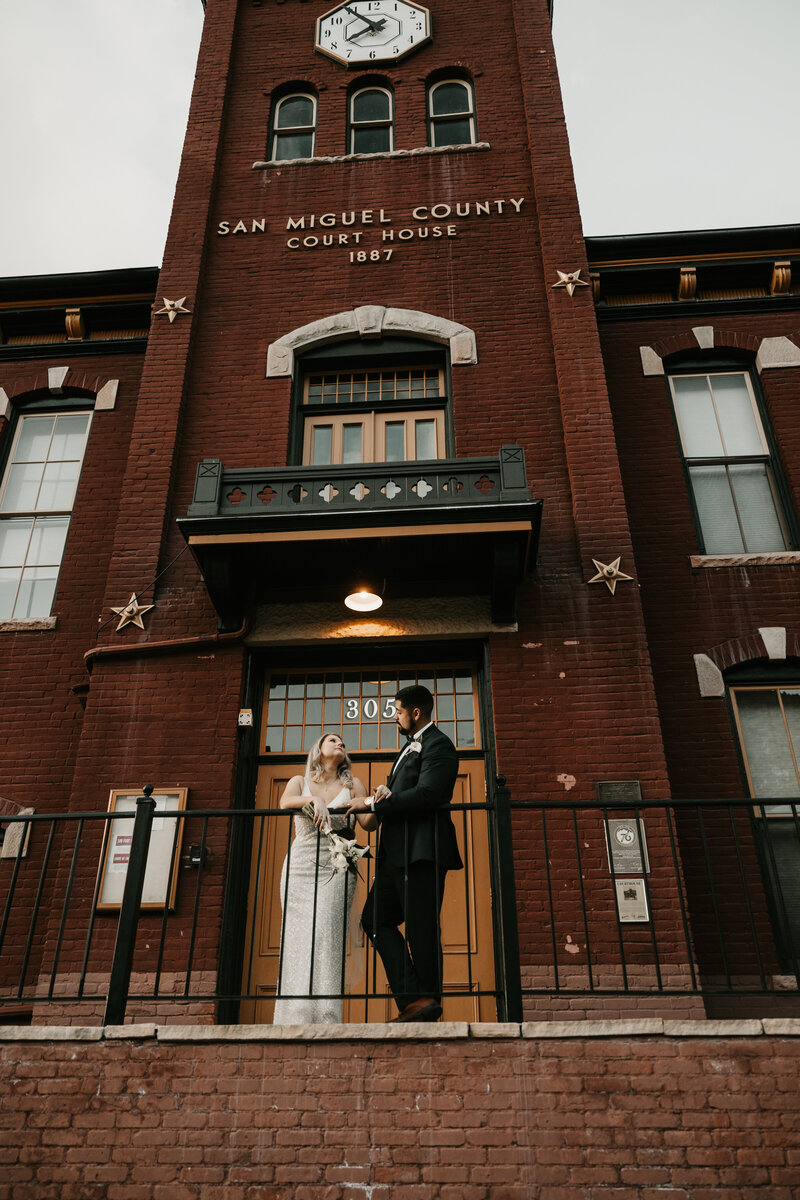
[371, 121]
[294, 126]
[731, 464]
[37, 493]
[451, 113]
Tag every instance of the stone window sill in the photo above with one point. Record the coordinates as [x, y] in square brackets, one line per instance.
[775, 559]
[25, 624]
[277, 163]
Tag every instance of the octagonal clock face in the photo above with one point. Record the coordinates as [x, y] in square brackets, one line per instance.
[372, 31]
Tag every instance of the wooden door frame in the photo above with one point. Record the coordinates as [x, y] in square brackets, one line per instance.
[258, 665]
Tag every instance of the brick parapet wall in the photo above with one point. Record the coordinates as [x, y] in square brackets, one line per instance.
[634, 1112]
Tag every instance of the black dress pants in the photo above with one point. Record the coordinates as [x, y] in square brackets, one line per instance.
[413, 963]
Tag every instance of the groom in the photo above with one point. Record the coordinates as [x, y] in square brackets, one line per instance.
[416, 850]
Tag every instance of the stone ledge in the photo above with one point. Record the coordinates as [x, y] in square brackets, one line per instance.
[376, 1031]
[26, 624]
[275, 164]
[494, 1029]
[644, 1027]
[781, 1026]
[410, 1031]
[749, 1028]
[51, 1033]
[127, 1032]
[774, 558]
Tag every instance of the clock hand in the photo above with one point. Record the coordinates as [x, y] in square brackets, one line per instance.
[374, 26]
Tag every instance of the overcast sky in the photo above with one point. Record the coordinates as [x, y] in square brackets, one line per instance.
[682, 115]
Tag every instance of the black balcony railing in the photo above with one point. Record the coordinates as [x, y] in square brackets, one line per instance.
[385, 488]
[708, 911]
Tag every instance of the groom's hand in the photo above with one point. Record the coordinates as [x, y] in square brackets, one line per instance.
[359, 805]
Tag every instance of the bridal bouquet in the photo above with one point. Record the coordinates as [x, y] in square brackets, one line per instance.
[345, 853]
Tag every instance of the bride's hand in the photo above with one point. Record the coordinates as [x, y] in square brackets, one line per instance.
[322, 818]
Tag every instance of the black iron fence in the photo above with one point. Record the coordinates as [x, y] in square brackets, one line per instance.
[559, 900]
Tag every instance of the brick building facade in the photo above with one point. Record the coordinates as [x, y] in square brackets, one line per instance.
[380, 346]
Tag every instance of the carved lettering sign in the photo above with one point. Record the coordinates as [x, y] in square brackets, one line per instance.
[372, 234]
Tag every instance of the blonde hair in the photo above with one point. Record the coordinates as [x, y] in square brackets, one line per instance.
[314, 762]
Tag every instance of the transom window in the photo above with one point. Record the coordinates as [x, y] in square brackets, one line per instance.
[36, 499]
[728, 462]
[371, 121]
[374, 386]
[451, 113]
[294, 127]
[359, 706]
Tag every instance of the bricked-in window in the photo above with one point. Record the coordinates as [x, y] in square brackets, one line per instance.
[359, 706]
[294, 127]
[36, 498]
[371, 121]
[731, 471]
[374, 415]
[451, 113]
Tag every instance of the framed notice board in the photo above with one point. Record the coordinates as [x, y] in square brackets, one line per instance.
[163, 856]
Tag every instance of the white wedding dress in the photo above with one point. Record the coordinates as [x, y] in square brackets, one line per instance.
[313, 952]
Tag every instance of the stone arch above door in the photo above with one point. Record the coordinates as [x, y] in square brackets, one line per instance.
[368, 322]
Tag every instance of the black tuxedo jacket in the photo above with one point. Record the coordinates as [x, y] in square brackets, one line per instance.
[415, 822]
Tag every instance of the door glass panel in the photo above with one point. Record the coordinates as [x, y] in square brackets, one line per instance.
[322, 445]
[395, 449]
[351, 443]
[425, 437]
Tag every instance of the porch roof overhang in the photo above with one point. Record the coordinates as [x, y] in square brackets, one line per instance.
[285, 534]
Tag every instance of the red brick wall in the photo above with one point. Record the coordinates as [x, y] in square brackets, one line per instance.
[690, 611]
[38, 669]
[562, 1119]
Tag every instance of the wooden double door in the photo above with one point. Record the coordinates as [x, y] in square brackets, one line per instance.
[466, 911]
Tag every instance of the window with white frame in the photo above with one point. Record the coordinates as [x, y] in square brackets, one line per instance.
[451, 113]
[371, 121]
[37, 494]
[294, 127]
[729, 464]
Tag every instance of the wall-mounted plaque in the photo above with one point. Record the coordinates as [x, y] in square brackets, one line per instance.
[163, 856]
[627, 846]
[631, 900]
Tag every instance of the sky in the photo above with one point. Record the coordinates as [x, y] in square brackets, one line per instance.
[682, 114]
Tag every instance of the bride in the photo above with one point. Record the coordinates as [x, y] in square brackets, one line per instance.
[316, 901]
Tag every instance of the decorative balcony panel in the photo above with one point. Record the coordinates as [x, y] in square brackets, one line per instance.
[472, 520]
